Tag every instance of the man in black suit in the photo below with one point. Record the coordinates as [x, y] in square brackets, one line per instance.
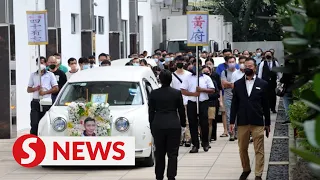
[166, 123]
[249, 106]
[265, 72]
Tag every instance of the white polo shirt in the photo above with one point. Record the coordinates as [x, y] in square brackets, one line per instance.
[238, 74]
[48, 80]
[190, 84]
[176, 84]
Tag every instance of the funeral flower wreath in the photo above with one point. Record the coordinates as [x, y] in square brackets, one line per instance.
[98, 111]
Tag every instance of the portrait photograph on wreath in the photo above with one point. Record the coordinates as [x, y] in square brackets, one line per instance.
[88, 105]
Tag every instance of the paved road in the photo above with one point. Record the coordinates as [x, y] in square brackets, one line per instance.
[221, 162]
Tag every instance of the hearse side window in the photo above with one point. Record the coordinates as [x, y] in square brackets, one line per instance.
[148, 87]
[13, 77]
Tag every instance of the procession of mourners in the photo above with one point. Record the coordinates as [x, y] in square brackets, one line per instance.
[239, 91]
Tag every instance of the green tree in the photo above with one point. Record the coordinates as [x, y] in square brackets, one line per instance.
[244, 15]
[302, 43]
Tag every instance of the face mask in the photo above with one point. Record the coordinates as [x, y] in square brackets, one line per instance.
[172, 58]
[242, 66]
[136, 64]
[52, 66]
[58, 61]
[232, 65]
[42, 69]
[258, 54]
[167, 59]
[180, 65]
[248, 72]
[156, 60]
[269, 57]
[87, 66]
[206, 73]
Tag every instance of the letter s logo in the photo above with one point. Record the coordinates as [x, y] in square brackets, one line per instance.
[29, 150]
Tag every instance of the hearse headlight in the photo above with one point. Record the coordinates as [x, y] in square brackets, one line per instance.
[59, 124]
[122, 124]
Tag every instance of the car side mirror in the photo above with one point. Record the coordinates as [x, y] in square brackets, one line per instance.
[46, 102]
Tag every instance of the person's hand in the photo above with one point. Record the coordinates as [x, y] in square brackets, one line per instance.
[197, 94]
[41, 93]
[37, 88]
[221, 104]
[199, 89]
[231, 127]
[267, 128]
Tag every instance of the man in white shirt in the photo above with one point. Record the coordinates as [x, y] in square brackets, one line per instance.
[48, 86]
[189, 88]
[72, 62]
[238, 74]
[178, 77]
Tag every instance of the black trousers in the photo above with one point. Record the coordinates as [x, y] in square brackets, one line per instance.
[53, 97]
[36, 115]
[167, 141]
[194, 122]
[214, 124]
[272, 95]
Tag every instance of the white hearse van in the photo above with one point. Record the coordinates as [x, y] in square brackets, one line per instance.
[127, 87]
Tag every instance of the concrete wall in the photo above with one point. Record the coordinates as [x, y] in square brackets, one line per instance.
[125, 16]
[145, 26]
[264, 45]
[70, 43]
[102, 40]
[158, 13]
[25, 59]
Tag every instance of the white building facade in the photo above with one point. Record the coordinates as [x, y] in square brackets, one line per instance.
[78, 28]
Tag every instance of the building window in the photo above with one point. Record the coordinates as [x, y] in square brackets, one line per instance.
[94, 24]
[123, 39]
[101, 25]
[13, 77]
[74, 23]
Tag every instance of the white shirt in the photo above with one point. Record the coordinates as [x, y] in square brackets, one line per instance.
[176, 84]
[48, 80]
[69, 74]
[190, 84]
[249, 84]
[270, 65]
[238, 74]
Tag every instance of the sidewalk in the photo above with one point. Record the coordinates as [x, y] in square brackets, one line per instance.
[221, 162]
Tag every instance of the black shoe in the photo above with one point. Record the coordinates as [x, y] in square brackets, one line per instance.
[286, 122]
[258, 178]
[245, 175]
[213, 139]
[194, 150]
[235, 138]
[187, 144]
[274, 111]
[206, 148]
[181, 143]
[251, 140]
[231, 139]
